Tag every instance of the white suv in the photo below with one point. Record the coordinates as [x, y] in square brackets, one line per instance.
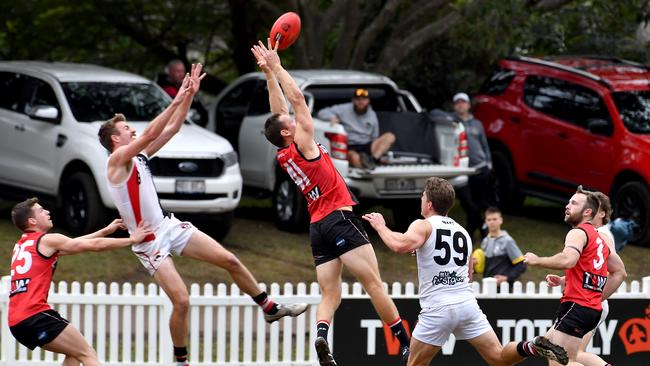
[50, 114]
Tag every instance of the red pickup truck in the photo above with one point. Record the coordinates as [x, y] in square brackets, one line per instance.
[555, 123]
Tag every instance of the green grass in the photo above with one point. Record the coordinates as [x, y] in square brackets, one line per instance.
[276, 256]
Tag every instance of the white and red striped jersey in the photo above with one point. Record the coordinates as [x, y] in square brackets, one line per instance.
[136, 198]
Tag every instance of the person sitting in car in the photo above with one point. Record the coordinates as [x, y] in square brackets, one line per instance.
[365, 145]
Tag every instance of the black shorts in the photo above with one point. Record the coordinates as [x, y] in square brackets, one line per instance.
[39, 329]
[361, 148]
[335, 234]
[576, 320]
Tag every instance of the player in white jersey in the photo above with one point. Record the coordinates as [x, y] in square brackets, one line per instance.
[443, 250]
[131, 187]
[599, 221]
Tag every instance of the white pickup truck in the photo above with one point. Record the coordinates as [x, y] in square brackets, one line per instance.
[425, 146]
[50, 114]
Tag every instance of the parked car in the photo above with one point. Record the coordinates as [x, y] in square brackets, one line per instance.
[425, 147]
[50, 114]
[555, 123]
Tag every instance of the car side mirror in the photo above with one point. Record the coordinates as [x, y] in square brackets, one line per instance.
[45, 113]
[599, 126]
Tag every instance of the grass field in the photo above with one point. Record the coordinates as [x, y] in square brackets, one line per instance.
[277, 256]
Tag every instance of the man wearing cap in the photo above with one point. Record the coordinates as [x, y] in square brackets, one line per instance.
[365, 145]
[475, 197]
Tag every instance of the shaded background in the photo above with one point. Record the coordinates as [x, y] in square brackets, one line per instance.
[431, 47]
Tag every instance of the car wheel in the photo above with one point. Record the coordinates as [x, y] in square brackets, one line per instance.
[504, 184]
[289, 206]
[82, 208]
[217, 226]
[632, 201]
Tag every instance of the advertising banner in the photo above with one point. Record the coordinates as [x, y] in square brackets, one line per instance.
[360, 338]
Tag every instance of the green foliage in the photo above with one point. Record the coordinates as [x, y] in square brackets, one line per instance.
[141, 35]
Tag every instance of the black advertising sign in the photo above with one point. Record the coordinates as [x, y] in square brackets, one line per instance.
[361, 339]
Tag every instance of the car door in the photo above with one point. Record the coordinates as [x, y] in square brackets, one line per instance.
[548, 134]
[38, 139]
[231, 109]
[11, 122]
[259, 154]
[566, 151]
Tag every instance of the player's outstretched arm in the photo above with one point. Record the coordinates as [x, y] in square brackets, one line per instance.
[52, 243]
[412, 239]
[108, 230]
[180, 113]
[276, 98]
[566, 259]
[123, 154]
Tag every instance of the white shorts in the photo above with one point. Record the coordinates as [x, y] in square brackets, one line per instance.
[172, 236]
[465, 321]
[603, 316]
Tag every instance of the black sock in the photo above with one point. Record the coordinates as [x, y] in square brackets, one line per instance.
[525, 350]
[322, 327]
[180, 353]
[268, 306]
[398, 331]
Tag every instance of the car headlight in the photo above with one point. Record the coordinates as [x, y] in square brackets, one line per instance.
[230, 158]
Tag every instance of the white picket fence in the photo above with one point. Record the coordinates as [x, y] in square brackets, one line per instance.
[128, 326]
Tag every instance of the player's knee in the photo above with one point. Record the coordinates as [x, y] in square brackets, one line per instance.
[181, 301]
[84, 354]
[230, 262]
[390, 138]
[374, 288]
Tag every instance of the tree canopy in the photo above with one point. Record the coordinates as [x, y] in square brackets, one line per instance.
[433, 47]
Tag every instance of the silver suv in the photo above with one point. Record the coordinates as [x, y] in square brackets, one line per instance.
[49, 117]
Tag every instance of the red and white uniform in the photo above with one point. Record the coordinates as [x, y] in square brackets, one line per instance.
[317, 179]
[136, 199]
[31, 275]
[586, 280]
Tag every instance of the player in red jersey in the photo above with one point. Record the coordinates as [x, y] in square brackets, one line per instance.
[592, 274]
[31, 320]
[337, 236]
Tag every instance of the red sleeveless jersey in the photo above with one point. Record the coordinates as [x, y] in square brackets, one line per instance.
[317, 179]
[585, 282]
[31, 275]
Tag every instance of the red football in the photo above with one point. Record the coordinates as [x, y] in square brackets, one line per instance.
[285, 30]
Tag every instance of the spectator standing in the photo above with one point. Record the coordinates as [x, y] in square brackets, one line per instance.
[475, 196]
[172, 81]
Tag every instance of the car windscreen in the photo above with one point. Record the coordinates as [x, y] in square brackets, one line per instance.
[93, 101]
[634, 108]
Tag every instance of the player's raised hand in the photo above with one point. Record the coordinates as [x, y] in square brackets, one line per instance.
[183, 91]
[195, 77]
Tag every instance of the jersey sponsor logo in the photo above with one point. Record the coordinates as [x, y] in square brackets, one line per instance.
[314, 194]
[447, 278]
[20, 286]
[593, 282]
